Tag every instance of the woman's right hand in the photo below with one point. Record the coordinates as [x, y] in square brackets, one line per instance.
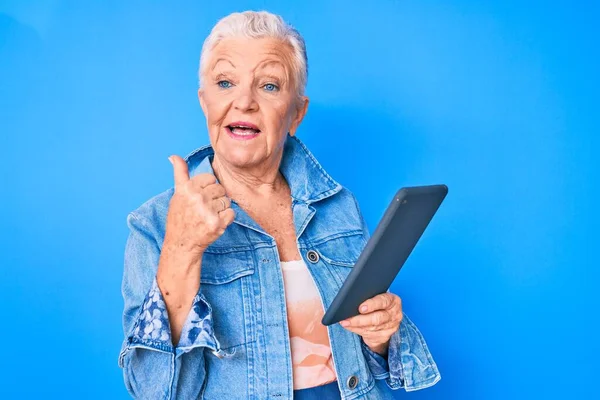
[198, 215]
[199, 211]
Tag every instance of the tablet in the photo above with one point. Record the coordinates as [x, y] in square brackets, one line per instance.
[386, 251]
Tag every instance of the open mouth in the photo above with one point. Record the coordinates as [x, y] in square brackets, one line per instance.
[243, 129]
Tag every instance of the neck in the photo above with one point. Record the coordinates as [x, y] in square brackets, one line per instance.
[243, 183]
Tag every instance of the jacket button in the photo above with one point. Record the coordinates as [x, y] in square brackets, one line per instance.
[312, 256]
[352, 382]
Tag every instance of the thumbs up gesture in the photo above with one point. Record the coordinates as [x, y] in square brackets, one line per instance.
[199, 211]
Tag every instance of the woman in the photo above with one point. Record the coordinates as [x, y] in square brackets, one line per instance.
[228, 273]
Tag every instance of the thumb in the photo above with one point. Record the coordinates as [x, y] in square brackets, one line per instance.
[180, 170]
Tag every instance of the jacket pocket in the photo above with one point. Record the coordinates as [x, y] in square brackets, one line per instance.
[340, 252]
[226, 281]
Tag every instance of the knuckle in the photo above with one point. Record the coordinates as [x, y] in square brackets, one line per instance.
[388, 317]
[212, 223]
[398, 309]
[196, 180]
[377, 319]
[384, 300]
[390, 299]
[215, 190]
[208, 177]
[204, 179]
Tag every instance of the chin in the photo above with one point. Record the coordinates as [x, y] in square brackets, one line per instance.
[240, 156]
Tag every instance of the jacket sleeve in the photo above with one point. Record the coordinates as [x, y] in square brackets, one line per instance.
[152, 367]
[409, 363]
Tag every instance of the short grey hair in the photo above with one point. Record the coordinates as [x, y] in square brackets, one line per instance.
[259, 24]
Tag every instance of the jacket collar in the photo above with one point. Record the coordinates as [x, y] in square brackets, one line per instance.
[308, 181]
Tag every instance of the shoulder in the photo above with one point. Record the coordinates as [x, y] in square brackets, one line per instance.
[151, 215]
[155, 207]
[340, 212]
[347, 197]
[345, 200]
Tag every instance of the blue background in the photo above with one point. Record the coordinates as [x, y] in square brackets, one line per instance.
[497, 100]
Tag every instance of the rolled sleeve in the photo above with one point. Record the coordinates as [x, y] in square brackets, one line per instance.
[152, 326]
[152, 329]
[408, 364]
[198, 329]
[377, 364]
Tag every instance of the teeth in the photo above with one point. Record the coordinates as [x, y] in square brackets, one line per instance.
[243, 131]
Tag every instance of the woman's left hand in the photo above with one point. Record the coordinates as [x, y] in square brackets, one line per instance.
[379, 319]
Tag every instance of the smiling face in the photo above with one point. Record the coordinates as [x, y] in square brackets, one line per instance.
[250, 101]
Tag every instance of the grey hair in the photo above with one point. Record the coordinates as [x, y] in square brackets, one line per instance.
[259, 24]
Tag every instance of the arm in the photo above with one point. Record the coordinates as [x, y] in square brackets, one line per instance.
[152, 366]
[153, 323]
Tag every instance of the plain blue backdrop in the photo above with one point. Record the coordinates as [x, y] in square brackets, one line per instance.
[497, 100]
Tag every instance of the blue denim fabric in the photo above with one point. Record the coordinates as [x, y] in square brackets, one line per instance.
[235, 341]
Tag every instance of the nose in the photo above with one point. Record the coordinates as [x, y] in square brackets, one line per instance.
[245, 101]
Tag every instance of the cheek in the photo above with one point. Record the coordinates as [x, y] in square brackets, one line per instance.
[216, 104]
[278, 113]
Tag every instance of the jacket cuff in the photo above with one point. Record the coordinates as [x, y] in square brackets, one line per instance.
[152, 329]
[395, 352]
[377, 363]
[198, 328]
[410, 363]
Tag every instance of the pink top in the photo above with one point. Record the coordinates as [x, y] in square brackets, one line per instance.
[311, 351]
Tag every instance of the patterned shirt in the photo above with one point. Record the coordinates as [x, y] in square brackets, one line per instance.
[311, 351]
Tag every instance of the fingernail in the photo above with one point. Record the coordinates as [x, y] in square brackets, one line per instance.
[363, 308]
[345, 323]
[169, 158]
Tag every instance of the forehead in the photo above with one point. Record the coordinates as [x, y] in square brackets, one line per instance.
[250, 53]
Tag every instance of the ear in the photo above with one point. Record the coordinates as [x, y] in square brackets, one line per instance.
[201, 100]
[301, 108]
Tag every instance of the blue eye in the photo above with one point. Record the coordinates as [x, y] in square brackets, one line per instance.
[270, 87]
[224, 84]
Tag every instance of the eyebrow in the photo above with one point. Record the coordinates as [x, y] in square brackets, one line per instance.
[222, 59]
[271, 62]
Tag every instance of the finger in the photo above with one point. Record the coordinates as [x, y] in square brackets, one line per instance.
[380, 302]
[391, 324]
[380, 336]
[180, 170]
[220, 204]
[373, 319]
[358, 331]
[227, 217]
[214, 191]
[202, 181]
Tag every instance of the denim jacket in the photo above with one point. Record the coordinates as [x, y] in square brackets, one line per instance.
[235, 342]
